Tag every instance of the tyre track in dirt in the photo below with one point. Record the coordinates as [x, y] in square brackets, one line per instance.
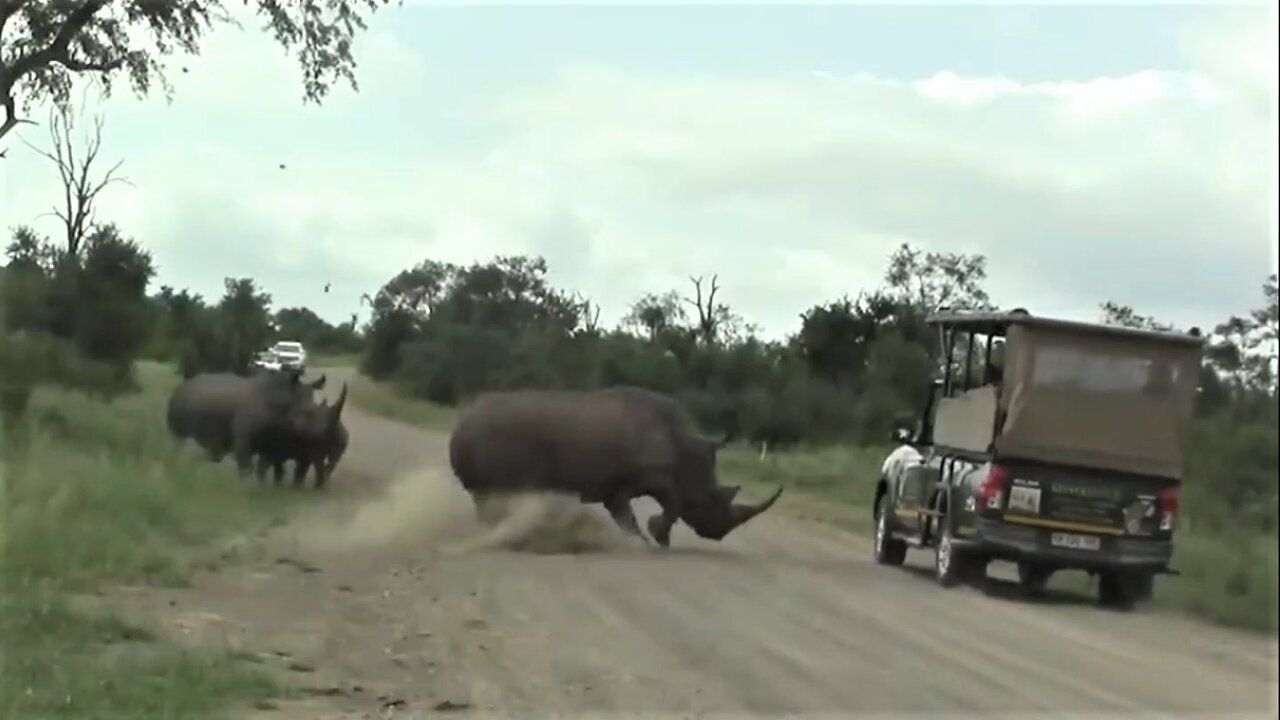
[785, 617]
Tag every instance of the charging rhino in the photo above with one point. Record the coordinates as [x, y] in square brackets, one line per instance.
[604, 446]
[229, 413]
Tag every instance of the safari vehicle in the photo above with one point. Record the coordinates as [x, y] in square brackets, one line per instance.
[1053, 444]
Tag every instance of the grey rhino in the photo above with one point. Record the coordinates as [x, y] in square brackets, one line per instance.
[315, 437]
[225, 412]
[604, 446]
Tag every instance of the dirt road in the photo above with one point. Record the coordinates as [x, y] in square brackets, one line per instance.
[782, 618]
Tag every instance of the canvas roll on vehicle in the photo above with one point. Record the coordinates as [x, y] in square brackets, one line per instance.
[1054, 444]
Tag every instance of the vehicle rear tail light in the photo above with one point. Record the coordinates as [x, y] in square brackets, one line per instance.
[1168, 507]
[993, 487]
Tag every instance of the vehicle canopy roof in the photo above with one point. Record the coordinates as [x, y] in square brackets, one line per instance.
[1080, 393]
[998, 322]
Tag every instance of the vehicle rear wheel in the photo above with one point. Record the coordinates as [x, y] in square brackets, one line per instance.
[888, 549]
[1033, 578]
[1116, 591]
[950, 564]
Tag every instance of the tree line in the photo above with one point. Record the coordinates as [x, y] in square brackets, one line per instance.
[853, 369]
[80, 313]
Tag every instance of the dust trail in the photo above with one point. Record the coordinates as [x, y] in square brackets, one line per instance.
[546, 523]
[426, 510]
[417, 509]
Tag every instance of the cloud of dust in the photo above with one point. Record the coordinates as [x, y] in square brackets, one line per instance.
[427, 509]
[553, 524]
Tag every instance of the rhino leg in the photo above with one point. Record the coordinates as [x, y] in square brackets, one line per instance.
[260, 468]
[322, 473]
[619, 506]
[300, 467]
[244, 459]
[215, 448]
[660, 524]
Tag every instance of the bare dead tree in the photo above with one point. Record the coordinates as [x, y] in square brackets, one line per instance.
[80, 183]
[590, 313]
[708, 316]
[592, 321]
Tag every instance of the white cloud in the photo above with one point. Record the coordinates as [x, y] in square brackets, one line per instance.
[1148, 188]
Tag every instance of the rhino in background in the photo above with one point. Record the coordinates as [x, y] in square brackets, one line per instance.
[604, 446]
[315, 437]
[229, 413]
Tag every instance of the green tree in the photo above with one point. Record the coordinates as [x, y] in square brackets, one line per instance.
[1114, 313]
[114, 318]
[245, 319]
[932, 280]
[47, 42]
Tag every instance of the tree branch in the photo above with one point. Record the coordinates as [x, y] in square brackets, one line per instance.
[59, 50]
[7, 10]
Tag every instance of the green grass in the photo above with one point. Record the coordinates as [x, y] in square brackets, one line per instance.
[95, 494]
[835, 484]
[1227, 578]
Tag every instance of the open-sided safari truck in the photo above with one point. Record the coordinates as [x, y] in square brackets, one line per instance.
[1052, 444]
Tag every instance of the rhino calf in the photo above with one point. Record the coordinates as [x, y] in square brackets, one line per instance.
[315, 438]
[603, 446]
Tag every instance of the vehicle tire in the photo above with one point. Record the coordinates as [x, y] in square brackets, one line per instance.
[1115, 591]
[888, 549]
[950, 566]
[1033, 577]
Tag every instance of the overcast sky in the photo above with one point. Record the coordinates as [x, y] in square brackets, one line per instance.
[1090, 152]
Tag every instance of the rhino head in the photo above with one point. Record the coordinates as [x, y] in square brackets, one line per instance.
[718, 515]
[318, 422]
[707, 506]
[320, 426]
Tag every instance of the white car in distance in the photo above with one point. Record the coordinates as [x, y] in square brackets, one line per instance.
[290, 354]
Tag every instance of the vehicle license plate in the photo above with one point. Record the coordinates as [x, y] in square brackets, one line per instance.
[1024, 500]
[1075, 542]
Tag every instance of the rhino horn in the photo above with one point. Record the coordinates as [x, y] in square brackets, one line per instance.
[741, 513]
[335, 413]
